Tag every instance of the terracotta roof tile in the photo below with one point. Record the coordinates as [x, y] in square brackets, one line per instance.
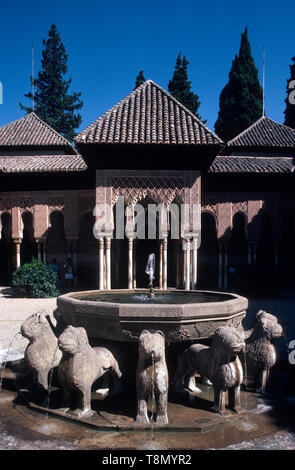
[265, 133]
[148, 115]
[231, 164]
[41, 164]
[32, 131]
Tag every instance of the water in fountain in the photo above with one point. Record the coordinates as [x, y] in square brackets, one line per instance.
[150, 269]
[50, 375]
[6, 358]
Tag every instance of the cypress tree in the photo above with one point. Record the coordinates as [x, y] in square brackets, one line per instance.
[180, 86]
[139, 79]
[52, 101]
[240, 102]
[290, 100]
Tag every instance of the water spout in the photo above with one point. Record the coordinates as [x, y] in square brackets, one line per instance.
[150, 269]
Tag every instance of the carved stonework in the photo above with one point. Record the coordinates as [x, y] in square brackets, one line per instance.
[5, 205]
[161, 188]
[56, 204]
[26, 204]
[241, 206]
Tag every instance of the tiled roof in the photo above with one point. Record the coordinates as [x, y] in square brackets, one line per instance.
[31, 131]
[148, 115]
[42, 164]
[265, 133]
[230, 164]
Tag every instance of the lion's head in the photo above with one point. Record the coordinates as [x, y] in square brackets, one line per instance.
[73, 340]
[151, 343]
[227, 342]
[268, 326]
[36, 326]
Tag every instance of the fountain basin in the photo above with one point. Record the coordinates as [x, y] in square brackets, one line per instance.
[121, 314]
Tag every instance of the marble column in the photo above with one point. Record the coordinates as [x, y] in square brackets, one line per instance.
[17, 243]
[165, 245]
[39, 248]
[187, 265]
[108, 263]
[44, 252]
[194, 263]
[101, 263]
[161, 266]
[130, 263]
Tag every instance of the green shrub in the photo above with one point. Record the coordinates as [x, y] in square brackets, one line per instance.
[36, 279]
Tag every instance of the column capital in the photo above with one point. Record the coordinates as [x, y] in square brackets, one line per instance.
[17, 240]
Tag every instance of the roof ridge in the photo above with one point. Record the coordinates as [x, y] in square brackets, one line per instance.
[246, 130]
[32, 114]
[134, 93]
[51, 128]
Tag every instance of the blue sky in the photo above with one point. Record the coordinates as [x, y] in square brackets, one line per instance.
[109, 42]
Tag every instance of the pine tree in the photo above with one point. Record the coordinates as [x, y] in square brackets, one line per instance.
[140, 79]
[52, 101]
[240, 102]
[290, 102]
[180, 86]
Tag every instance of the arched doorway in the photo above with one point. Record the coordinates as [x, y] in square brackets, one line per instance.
[87, 253]
[143, 247]
[56, 242]
[28, 248]
[6, 250]
[237, 251]
[208, 252]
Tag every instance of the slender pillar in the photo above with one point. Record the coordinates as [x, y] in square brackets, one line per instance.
[39, 248]
[178, 266]
[17, 243]
[44, 246]
[165, 263]
[161, 266]
[130, 263]
[134, 265]
[195, 264]
[183, 264]
[108, 263]
[101, 264]
[187, 265]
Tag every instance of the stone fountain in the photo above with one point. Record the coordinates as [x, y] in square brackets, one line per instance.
[148, 346]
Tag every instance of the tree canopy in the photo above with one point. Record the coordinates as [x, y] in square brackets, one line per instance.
[52, 101]
[140, 79]
[180, 86]
[241, 100]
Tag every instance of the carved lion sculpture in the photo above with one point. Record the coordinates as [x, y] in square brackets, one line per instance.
[260, 352]
[219, 363]
[152, 376]
[80, 366]
[42, 353]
